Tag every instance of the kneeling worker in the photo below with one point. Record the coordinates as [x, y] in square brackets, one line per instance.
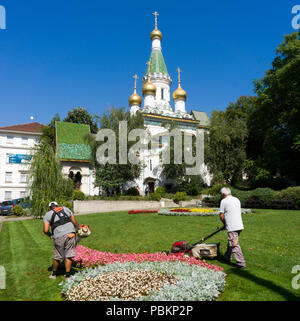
[63, 223]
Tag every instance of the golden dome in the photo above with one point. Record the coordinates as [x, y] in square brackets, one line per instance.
[148, 88]
[135, 99]
[179, 93]
[156, 33]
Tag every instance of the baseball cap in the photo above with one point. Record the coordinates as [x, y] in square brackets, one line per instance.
[53, 203]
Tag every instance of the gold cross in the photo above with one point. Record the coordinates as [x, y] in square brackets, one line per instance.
[135, 79]
[179, 71]
[155, 14]
[149, 68]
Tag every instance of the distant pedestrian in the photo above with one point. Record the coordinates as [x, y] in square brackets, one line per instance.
[231, 216]
[147, 190]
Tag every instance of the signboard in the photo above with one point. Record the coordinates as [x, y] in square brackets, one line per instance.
[19, 159]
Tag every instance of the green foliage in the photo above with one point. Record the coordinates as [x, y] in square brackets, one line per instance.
[273, 124]
[80, 115]
[78, 195]
[192, 185]
[67, 204]
[161, 190]
[132, 191]
[290, 194]
[46, 180]
[179, 196]
[155, 196]
[18, 210]
[111, 177]
[225, 147]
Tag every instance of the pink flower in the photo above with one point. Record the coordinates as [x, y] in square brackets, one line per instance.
[88, 257]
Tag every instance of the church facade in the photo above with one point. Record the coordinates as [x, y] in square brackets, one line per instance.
[157, 111]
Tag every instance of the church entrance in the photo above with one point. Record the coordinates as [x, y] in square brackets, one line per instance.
[76, 178]
[151, 187]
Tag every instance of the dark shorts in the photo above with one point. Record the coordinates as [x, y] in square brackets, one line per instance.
[64, 247]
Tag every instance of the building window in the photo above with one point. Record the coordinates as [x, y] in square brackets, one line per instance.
[7, 195]
[150, 165]
[162, 93]
[10, 140]
[23, 177]
[160, 141]
[22, 194]
[8, 177]
[24, 141]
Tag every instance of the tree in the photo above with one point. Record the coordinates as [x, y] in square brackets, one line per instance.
[274, 131]
[80, 115]
[113, 176]
[225, 147]
[46, 182]
[48, 131]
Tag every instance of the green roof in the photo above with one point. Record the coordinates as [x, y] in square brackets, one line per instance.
[201, 116]
[70, 143]
[157, 63]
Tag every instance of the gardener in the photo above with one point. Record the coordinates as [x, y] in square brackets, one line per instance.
[63, 224]
[231, 216]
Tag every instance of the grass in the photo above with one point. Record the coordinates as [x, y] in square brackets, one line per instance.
[270, 243]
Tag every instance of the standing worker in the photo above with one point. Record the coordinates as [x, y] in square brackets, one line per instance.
[63, 223]
[231, 216]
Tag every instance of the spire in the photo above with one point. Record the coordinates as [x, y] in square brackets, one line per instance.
[156, 33]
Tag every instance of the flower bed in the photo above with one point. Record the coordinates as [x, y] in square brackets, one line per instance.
[87, 257]
[142, 211]
[154, 281]
[194, 211]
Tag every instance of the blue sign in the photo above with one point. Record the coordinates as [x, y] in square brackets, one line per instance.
[19, 159]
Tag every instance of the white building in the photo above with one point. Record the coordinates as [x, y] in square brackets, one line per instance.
[16, 144]
[157, 110]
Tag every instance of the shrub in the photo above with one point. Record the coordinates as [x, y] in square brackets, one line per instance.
[18, 210]
[132, 191]
[179, 196]
[78, 195]
[161, 190]
[67, 204]
[193, 186]
[155, 196]
[265, 196]
[289, 194]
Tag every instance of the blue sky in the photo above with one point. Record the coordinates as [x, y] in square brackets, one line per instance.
[56, 55]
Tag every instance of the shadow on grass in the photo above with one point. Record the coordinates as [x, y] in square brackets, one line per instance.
[244, 273]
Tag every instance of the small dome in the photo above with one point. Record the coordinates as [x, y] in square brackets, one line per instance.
[135, 99]
[148, 88]
[156, 34]
[179, 93]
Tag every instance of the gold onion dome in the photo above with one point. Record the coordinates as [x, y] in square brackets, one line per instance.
[156, 34]
[148, 88]
[135, 99]
[179, 93]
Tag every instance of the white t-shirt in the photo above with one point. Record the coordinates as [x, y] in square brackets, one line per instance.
[231, 207]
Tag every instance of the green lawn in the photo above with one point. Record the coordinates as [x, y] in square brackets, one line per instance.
[270, 243]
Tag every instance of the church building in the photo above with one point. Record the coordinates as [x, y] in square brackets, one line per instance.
[157, 110]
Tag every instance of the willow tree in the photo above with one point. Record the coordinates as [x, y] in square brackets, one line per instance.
[46, 182]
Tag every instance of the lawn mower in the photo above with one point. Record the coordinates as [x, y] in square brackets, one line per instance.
[199, 249]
